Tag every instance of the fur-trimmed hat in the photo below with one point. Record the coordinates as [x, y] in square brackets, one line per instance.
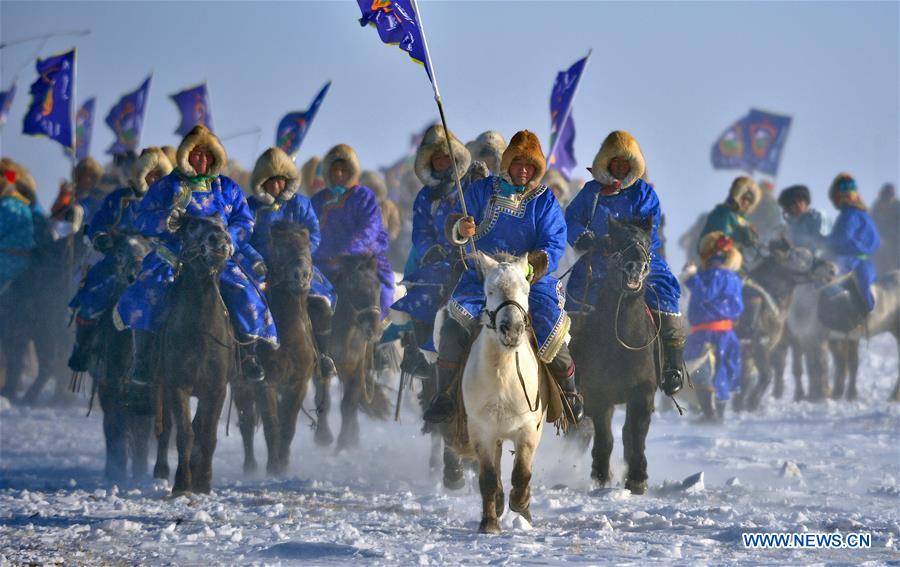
[151, 159]
[87, 164]
[345, 153]
[715, 244]
[310, 176]
[170, 152]
[553, 178]
[525, 146]
[374, 181]
[794, 194]
[843, 192]
[201, 136]
[274, 163]
[619, 144]
[25, 183]
[489, 145]
[741, 186]
[434, 141]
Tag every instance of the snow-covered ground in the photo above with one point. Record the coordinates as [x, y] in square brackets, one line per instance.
[824, 467]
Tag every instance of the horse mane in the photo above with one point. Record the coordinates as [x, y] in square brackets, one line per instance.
[291, 232]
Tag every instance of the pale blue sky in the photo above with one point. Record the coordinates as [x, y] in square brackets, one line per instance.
[675, 74]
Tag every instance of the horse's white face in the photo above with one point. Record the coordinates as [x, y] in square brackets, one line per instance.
[506, 299]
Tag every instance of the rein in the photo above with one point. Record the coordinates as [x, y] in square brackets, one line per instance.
[492, 315]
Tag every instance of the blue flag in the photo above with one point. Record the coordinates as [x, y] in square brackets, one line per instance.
[562, 126]
[6, 98]
[126, 119]
[397, 24]
[766, 135]
[84, 127]
[50, 112]
[753, 143]
[293, 127]
[193, 103]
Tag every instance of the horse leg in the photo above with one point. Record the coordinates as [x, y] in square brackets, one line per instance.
[210, 407]
[139, 427]
[520, 495]
[180, 401]
[114, 434]
[603, 445]
[739, 402]
[246, 406]
[764, 377]
[353, 386]
[779, 358]
[14, 349]
[323, 436]
[895, 395]
[267, 406]
[290, 409]
[817, 366]
[852, 367]
[634, 436]
[163, 435]
[454, 475]
[434, 459]
[797, 356]
[488, 480]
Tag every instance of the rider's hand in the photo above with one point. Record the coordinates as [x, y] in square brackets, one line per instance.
[466, 227]
[175, 220]
[586, 241]
[260, 269]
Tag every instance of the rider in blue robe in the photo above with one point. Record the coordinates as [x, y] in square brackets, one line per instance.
[199, 192]
[432, 252]
[716, 302]
[618, 191]
[274, 183]
[515, 214]
[854, 238]
[806, 225]
[114, 217]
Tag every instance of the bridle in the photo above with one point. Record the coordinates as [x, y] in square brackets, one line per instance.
[616, 259]
[492, 315]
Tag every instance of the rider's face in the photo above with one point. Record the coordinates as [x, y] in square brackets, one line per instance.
[619, 167]
[274, 186]
[521, 172]
[201, 160]
[440, 161]
[339, 173]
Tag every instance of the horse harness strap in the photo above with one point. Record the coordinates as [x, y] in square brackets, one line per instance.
[492, 315]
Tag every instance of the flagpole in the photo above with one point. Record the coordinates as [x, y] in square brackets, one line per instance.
[254, 130]
[45, 36]
[144, 116]
[440, 105]
[72, 115]
[571, 104]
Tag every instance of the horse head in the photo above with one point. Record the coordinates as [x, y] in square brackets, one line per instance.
[205, 244]
[359, 291]
[506, 297]
[627, 250]
[290, 258]
[128, 252]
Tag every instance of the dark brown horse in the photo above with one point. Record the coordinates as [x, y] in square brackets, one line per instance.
[356, 328]
[289, 368]
[198, 350]
[615, 350]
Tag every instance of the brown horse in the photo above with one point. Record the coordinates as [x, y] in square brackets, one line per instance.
[355, 330]
[289, 368]
[615, 351]
[198, 351]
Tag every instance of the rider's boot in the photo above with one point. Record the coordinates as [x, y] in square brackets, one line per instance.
[563, 370]
[85, 329]
[320, 315]
[251, 369]
[453, 341]
[143, 355]
[672, 336]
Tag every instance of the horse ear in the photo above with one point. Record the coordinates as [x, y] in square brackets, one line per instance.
[522, 264]
[612, 222]
[647, 224]
[485, 262]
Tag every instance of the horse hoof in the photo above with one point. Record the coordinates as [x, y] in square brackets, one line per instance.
[324, 437]
[526, 513]
[454, 479]
[799, 396]
[250, 468]
[490, 526]
[161, 472]
[636, 486]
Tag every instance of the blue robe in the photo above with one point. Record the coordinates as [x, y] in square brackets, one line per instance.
[639, 201]
[297, 210]
[430, 212]
[351, 224]
[16, 238]
[716, 295]
[97, 292]
[852, 242]
[91, 204]
[807, 230]
[144, 304]
[530, 221]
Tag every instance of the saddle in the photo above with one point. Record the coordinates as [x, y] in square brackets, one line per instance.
[842, 305]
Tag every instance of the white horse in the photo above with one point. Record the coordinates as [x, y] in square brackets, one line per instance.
[503, 395]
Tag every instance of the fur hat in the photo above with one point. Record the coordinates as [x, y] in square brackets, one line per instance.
[310, 176]
[274, 163]
[715, 244]
[374, 181]
[743, 185]
[623, 145]
[87, 164]
[553, 178]
[434, 141]
[25, 183]
[526, 146]
[488, 145]
[794, 194]
[345, 153]
[152, 159]
[843, 192]
[201, 136]
[170, 153]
